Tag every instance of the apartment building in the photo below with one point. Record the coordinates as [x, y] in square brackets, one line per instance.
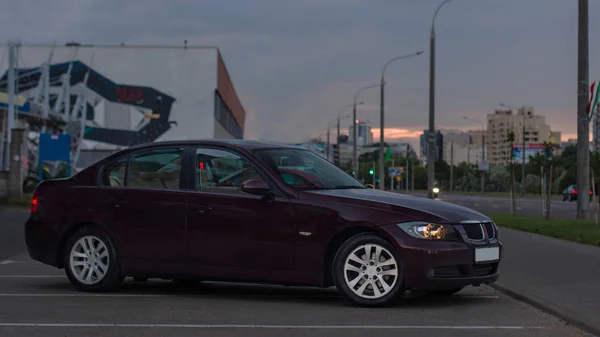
[527, 127]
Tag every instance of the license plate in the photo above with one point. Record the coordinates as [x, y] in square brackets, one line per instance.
[487, 254]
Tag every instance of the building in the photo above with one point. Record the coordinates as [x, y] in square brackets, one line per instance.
[364, 135]
[527, 127]
[136, 94]
[439, 144]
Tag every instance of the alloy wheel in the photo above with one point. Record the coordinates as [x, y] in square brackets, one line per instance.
[371, 271]
[89, 260]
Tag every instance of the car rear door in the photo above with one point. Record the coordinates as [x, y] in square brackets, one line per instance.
[148, 206]
[230, 228]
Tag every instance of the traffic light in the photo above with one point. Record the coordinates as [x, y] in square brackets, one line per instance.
[371, 172]
[336, 155]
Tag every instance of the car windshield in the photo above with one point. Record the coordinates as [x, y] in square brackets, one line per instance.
[306, 170]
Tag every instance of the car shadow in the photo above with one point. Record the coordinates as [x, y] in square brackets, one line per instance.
[269, 293]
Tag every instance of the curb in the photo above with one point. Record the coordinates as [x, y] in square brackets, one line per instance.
[566, 317]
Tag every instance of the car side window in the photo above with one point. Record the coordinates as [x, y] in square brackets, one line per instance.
[113, 174]
[156, 169]
[222, 171]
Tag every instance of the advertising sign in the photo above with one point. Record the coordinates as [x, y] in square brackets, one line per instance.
[531, 150]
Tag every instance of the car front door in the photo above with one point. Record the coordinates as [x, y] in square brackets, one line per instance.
[148, 207]
[230, 228]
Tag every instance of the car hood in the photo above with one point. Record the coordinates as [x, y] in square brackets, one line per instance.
[443, 210]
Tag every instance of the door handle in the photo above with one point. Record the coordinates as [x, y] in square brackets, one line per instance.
[200, 208]
[116, 202]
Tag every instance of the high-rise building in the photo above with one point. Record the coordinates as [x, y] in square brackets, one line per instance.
[458, 147]
[527, 127]
[364, 135]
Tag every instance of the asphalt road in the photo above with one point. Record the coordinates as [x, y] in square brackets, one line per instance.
[501, 204]
[36, 300]
[12, 240]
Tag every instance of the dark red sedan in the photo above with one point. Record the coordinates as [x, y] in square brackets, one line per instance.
[253, 212]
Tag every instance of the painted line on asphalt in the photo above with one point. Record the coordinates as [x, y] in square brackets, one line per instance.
[32, 276]
[258, 326]
[4, 262]
[81, 295]
[481, 296]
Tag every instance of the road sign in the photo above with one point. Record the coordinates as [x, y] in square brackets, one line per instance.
[484, 165]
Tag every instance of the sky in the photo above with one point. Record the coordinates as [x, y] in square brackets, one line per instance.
[297, 63]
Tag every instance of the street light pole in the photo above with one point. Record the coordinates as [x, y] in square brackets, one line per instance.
[523, 155]
[431, 135]
[382, 112]
[583, 126]
[355, 131]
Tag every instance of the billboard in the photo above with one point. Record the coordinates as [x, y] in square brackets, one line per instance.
[531, 150]
[136, 94]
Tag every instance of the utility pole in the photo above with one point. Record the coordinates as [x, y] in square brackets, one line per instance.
[381, 147]
[412, 178]
[523, 155]
[431, 133]
[11, 103]
[407, 167]
[393, 177]
[328, 145]
[451, 165]
[354, 132]
[583, 126]
[338, 139]
[431, 140]
[483, 131]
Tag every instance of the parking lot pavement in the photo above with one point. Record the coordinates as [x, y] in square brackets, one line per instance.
[36, 300]
[12, 240]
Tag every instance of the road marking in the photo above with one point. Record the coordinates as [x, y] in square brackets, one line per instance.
[32, 276]
[481, 296]
[6, 262]
[476, 205]
[81, 295]
[495, 206]
[258, 326]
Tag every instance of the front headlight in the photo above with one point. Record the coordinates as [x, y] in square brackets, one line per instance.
[436, 190]
[429, 231]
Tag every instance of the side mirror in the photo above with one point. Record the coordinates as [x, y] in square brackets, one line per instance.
[257, 187]
[370, 185]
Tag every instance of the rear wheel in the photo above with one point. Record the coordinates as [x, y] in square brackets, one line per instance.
[90, 260]
[367, 272]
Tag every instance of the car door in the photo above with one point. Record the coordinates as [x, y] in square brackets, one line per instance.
[147, 206]
[230, 228]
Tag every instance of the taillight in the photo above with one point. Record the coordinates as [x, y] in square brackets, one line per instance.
[34, 203]
[574, 192]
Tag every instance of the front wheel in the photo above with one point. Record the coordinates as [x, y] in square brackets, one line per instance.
[367, 271]
[90, 260]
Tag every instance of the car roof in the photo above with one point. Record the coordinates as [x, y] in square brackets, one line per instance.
[237, 143]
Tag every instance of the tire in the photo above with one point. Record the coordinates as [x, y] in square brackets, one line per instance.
[349, 275]
[86, 273]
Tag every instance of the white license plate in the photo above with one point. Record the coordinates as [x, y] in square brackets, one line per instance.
[487, 254]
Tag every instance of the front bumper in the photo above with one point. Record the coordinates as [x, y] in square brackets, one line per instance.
[443, 265]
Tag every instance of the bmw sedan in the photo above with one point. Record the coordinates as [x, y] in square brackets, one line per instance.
[248, 211]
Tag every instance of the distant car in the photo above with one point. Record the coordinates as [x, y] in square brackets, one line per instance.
[236, 211]
[570, 193]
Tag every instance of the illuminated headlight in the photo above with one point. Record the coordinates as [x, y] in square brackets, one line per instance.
[429, 231]
[436, 190]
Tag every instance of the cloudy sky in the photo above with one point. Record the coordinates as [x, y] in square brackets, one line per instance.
[296, 63]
